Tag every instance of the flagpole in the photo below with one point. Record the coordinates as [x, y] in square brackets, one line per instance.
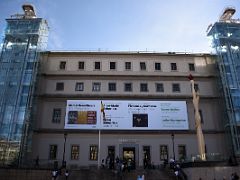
[99, 146]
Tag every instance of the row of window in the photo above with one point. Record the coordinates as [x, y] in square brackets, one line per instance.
[93, 152]
[128, 87]
[128, 66]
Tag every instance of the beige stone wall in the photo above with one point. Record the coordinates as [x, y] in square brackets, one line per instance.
[47, 132]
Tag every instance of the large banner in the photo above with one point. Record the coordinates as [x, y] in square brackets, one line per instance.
[126, 115]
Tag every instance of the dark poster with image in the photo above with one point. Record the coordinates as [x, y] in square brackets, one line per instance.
[140, 120]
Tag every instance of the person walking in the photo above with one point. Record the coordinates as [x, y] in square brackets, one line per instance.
[66, 174]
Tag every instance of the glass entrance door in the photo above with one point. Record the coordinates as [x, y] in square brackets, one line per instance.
[129, 157]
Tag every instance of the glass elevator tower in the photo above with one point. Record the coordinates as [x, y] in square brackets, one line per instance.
[225, 36]
[25, 36]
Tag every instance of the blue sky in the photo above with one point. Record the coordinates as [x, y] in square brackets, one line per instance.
[125, 25]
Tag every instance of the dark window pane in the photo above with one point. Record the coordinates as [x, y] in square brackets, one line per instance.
[173, 66]
[142, 65]
[60, 86]
[56, 116]
[128, 87]
[97, 65]
[112, 65]
[62, 65]
[175, 88]
[159, 87]
[112, 86]
[79, 86]
[80, 65]
[163, 152]
[128, 66]
[53, 152]
[191, 67]
[143, 87]
[158, 66]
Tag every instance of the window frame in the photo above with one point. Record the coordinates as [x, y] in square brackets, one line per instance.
[165, 153]
[128, 65]
[127, 89]
[59, 86]
[158, 66]
[53, 155]
[81, 65]
[176, 86]
[143, 66]
[97, 65]
[174, 67]
[112, 65]
[191, 67]
[79, 86]
[96, 86]
[159, 89]
[93, 154]
[144, 87]
[112, 89]
[73, 154]
[56, 115]
[184, 155]
[62, 65]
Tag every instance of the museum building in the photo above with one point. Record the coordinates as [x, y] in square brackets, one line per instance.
[133, 105]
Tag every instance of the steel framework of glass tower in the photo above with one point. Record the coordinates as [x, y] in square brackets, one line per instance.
[225, 36]
[25, 36]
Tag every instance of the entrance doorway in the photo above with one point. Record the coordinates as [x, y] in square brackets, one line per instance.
[129, 156]
[146, 157]
[111, 156]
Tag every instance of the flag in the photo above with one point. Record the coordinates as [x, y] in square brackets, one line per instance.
[102, 110]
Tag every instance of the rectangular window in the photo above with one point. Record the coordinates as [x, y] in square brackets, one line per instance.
[158, 66]
[81, 65]
[62, 65]
[175, 87]
[181, 152]
[97, 65]
[53, 152]
[191, 67]
[174, 66]
[93, 152]
[143, 66]
[112, 87]
[128, 65]
[96, 86]
[59, 86]
[56, 116]
[79, 86]
[159, 87]
[74, 152]
[163, 152]
[144, 87]
[128, 87]
[112, 65]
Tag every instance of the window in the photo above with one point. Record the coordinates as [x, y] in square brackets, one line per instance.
[128, 87]
[181, 152]
[97, 66]
[142, 65]
[74, 152]
[79, 86]
[173, 66]
[158, 66]
[62, 65]
[163, 152]
[56, 116]
[144, 87]
[60, 86]
[53, 152]
[111, 86]
[112, 65]
[175, 87]
[81, 65]
[96, 86]
[191, 67]
[159, 87]
[93, 152]
[128, 65]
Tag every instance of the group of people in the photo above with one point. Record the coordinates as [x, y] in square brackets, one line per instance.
[120, 165]
[56, 173]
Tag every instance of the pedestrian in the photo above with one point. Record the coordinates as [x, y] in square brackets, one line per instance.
[66, 174]
[54, 174]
